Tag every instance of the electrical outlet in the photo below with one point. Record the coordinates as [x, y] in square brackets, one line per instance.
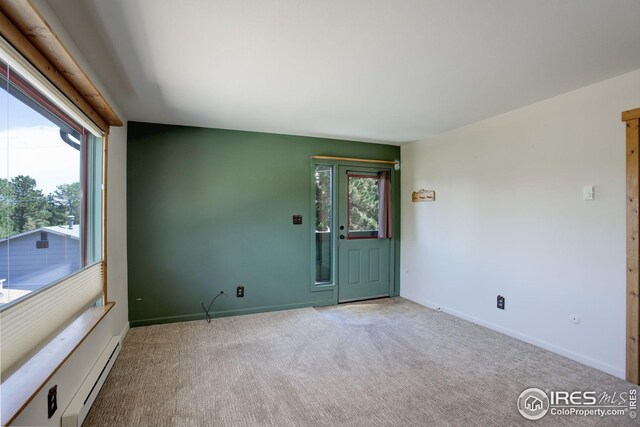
[52, 401]
[240, 292]
[500, 302]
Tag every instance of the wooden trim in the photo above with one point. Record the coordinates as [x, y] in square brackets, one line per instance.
[23, 86]
[29, 20]
[13, 35]
[631, 115]
[26, 30]
[353, 159]
[633, 251]
[20, 388]
[105, 180]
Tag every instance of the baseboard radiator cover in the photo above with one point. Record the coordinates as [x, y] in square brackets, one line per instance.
[79, 407]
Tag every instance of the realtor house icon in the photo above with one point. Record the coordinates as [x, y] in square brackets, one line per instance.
[533, 403]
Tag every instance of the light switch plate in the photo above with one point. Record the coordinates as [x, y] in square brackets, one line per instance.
[588, 192]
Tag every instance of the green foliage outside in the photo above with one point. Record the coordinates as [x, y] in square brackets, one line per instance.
[24, 207]
[323, 198]
[65, 201]
[363, 199]
[5, 209]
[363, 204]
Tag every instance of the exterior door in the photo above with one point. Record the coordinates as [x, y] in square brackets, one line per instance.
[363, 258]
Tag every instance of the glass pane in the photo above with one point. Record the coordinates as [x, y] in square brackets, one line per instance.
[323, 224]
[5, 202]
[364, 206]
[40, 206]
[94, 199]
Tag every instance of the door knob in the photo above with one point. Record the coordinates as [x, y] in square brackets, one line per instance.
[342, 236]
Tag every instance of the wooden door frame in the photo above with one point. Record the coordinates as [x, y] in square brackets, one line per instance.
[632, 119]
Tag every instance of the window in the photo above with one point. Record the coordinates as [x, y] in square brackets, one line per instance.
[51, 265]
[43, 243]
[323, 224]
[50, 190]
[364, 206]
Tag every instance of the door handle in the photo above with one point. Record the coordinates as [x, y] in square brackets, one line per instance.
[341, 236]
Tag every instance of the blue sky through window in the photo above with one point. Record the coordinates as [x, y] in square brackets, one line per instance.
[30, 144]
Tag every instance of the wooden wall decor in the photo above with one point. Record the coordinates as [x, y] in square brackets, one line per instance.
[632, 119]
[423, 196]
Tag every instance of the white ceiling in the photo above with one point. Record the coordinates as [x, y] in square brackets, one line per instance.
[373, 70]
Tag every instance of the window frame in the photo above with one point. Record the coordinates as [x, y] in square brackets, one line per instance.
[335, 163]
[331, 223]
[349, 235]
[331, 284]
[76, 93]
[31, 83]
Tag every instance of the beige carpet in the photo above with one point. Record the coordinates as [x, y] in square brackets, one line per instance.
[384, 362]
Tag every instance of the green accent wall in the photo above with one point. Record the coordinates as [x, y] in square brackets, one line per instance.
[211, 209]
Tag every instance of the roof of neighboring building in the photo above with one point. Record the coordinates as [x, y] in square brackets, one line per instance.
[61, 230]
[65, 230]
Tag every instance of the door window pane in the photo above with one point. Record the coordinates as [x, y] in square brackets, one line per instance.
[364, 206]
[323, 232]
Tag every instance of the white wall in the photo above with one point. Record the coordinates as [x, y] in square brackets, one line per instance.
[73, 372]
[117, 228]
[509, 219]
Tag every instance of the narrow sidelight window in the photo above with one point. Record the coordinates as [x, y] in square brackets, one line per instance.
[323, 223]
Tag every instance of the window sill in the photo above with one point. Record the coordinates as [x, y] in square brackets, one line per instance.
[21, 387]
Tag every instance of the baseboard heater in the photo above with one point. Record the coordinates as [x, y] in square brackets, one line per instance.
[77, 410]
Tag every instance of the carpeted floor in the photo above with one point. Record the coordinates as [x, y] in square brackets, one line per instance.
[383, 362]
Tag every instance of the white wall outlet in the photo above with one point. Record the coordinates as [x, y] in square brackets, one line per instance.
[588, 192]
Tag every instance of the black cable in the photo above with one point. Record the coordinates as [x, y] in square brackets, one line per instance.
[206, 309]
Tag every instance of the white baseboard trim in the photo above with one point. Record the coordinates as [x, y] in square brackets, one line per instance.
[605, 367]
[124, 331]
